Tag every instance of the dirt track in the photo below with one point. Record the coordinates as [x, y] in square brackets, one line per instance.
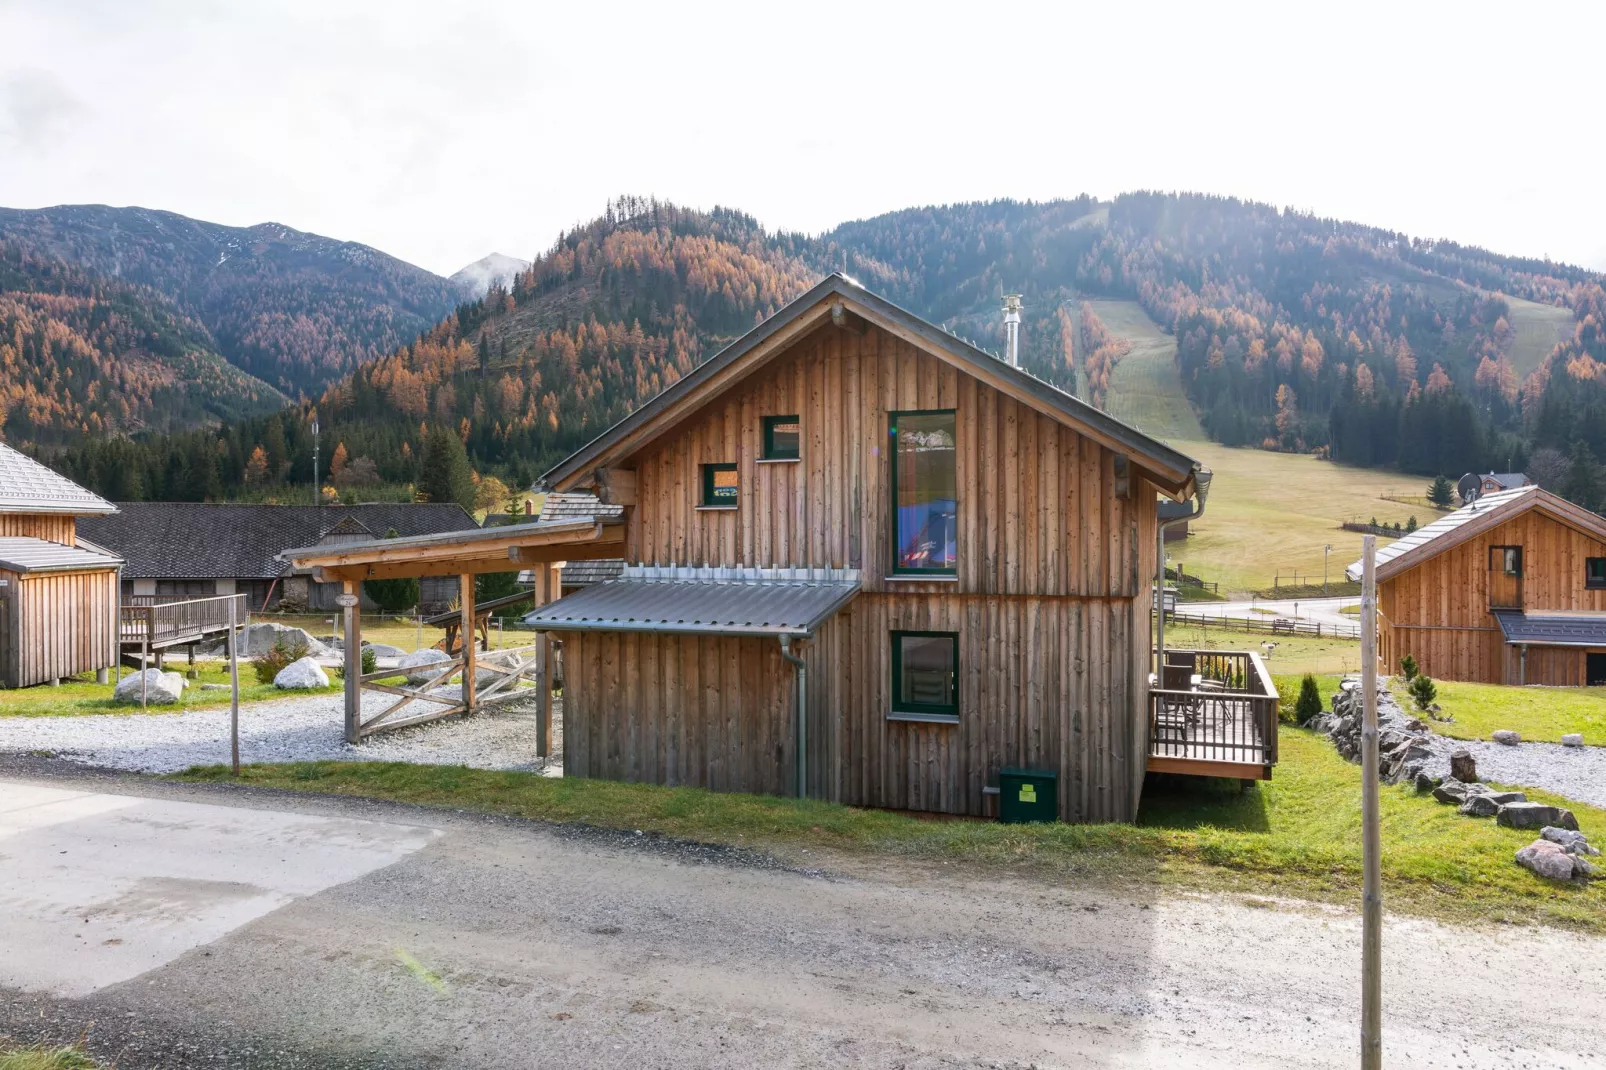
[503, 943]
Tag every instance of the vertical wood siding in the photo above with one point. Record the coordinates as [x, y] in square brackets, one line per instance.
[1438, 612]
[62, 529]
[62, 625]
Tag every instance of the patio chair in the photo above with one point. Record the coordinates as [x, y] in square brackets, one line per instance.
[1179, 678]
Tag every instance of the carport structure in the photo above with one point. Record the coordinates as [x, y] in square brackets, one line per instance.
[541, 546]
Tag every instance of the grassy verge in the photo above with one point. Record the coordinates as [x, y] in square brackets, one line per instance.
[1293, 653]
[81, 696]
[1297, 835]
[1542, 714]
[44, 1057]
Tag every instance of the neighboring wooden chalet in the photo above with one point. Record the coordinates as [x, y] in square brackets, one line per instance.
[1495, 482]
[58, 592]
[577, 574]
[198, 550]
[944, 561]
[1508, 590]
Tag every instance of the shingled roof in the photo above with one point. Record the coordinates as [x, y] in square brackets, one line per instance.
[187, 540]
[26, 486]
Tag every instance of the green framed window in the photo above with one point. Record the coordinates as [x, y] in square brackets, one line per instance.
[720, 486]
[925, 492]
[1595, 572]
[782, 438]
[925, 676]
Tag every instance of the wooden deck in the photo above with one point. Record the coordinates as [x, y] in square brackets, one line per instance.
[154, 622]
[1224, 724]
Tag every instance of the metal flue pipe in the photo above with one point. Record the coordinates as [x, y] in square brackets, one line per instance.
[1201, 483]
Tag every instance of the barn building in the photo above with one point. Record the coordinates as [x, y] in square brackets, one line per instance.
[1510, 589]
[58, 592]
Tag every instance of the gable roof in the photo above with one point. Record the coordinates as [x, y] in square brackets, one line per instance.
[26, 486]
[21, 553]
[1489, 511]
[194, 540]
[1170, 468]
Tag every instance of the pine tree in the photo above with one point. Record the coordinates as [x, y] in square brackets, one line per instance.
[445, 475]
[1439, 492]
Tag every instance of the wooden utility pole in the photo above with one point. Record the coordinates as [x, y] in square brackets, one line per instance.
[1371, 837]
[234, 691]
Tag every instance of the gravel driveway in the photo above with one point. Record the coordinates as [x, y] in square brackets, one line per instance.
[1574, 772]
[284, 730]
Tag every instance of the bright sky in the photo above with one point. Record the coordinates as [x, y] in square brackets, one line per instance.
[439, 132]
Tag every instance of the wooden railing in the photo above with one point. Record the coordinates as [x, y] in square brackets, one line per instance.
[1270, 625]
[157, 621]
[1229, 715]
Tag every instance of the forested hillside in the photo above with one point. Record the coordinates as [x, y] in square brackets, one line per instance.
[86, 356]
[296, 310]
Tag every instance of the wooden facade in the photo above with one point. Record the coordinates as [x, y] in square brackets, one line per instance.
[1440, 608]
[1050, 597]
[56, 624]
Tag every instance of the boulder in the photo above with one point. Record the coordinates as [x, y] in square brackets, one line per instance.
[1480, 806]
[303, 674]
[1451, 791]
[1573, 739]
[1506, 737]
[1549, 861]
[259, 639]
[1463, 766]
[162, 688]
[1425, 782]
[419, 660]
[1500, 798]
[1574, 843]
[384, 650]
[1531, 815]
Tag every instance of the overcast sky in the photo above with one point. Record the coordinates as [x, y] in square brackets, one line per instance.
[440, 132]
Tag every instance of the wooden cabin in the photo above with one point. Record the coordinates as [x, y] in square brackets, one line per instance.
[1510, 589]
[58, 593]
[945, 561]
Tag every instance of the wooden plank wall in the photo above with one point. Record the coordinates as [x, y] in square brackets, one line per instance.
[1037, 513]
[62, 529]
[64, 625]
[1439, 610]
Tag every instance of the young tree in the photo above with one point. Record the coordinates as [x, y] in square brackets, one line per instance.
[1423, 691]
[445, 475]
[256, 469]
[337, 463]
[1309, 703]
[1408, 668]
[1439, 492]
[490, 493]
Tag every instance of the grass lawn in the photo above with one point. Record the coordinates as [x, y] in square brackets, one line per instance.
[1542, 714]
[402, 634]
[82, 696]
[1294, 653]
[1297, 835]
[43, 1057]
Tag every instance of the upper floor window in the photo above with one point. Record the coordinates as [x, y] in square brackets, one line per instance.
[781, 438]
[720, 486]
[1506, 560]
[925, 492]
[1595, 572]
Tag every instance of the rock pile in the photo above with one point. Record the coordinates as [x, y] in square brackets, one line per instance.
[1560, 855]
[1402, 740]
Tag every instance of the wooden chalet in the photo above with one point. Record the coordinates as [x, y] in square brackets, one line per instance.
[58, 593]
[1510, 589]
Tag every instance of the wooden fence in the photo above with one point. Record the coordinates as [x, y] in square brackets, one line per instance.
[1267, 624]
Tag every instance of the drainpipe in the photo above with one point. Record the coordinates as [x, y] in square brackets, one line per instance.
[1201, 482]
[802, 675]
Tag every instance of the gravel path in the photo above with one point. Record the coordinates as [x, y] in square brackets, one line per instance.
[1575, 772]
[286, 730]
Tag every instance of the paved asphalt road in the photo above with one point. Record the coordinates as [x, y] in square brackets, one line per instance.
[1324, 611]
[488, 943]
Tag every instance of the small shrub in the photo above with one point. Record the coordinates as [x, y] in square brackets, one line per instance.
[1410, 525]
[267, 664]
[1310, 700]
[370, 662]
[1409, 668]
[1423, 691]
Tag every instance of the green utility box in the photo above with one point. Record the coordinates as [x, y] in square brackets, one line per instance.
[1028, 795]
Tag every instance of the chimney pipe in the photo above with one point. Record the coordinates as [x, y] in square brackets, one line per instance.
[1012, 329]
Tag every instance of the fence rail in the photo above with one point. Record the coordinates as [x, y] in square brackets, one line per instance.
[1229, 716]
[156, 621]
[1267, 624]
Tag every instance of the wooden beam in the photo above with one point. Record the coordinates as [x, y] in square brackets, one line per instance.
[351, 596]
[548, 580]
[445, 557]
[555, 554]
[616, 486]
[1206, 767]
[466, 586]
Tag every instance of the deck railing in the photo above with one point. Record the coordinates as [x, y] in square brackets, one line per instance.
[1229, 715]
[158, 621]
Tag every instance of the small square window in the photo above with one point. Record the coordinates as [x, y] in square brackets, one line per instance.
[1595, 572]
[720, 486]
[925, 676]
[1506, 560]
[781, 438]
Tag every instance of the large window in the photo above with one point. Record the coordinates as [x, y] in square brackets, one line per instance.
[925, 493]
[720, 486]
[925, 676]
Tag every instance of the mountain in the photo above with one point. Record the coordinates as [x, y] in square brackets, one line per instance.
[296, 310]
[475, 280]
[85, 355]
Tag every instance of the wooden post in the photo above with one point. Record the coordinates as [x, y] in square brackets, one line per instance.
[234, 693]
[548, 587]
[1371, 840]
[466, 635]
[350, 601]
[145, 658]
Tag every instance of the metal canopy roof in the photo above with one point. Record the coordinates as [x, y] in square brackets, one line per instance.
[20, 553]
[1553, 629]
[704, 601]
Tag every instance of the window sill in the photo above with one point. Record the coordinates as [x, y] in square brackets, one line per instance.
[717, 508]
[908, 577]
[924, 718]
[779, 460]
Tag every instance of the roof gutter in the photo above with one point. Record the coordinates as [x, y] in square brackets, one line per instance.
[1201, 493]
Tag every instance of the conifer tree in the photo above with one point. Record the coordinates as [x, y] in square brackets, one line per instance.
[445, 475]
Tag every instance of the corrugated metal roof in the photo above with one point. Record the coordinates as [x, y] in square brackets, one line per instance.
[1553, 629]
[1444, 526]
[26, 486]
[778, 601]
[19, 553]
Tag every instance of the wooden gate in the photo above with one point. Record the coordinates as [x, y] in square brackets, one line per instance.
[508, 667]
